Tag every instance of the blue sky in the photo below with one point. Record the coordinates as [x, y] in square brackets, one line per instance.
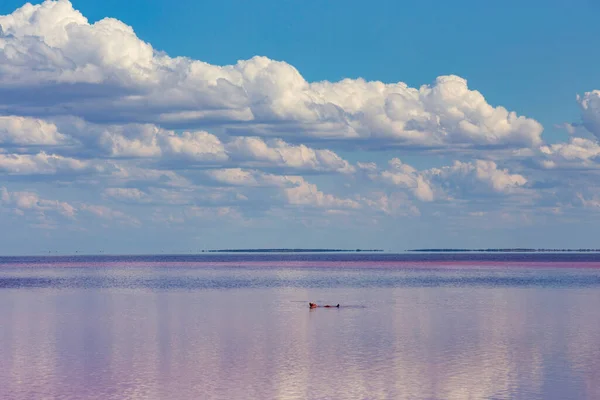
[159, 130]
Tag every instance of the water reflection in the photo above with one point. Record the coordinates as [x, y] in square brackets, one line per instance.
[405, 343]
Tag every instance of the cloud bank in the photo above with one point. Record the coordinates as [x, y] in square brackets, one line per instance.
[122, 132]
[54, 62]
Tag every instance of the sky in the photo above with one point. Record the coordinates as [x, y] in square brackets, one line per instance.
[174, 127]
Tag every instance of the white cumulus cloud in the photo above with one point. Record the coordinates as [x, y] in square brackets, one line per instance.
[405, 176]
[55, 62]
[590, 109]
[279, 153]
[22, 131]
[577, 153]
[459, 179]
[23, 202]
[41, 163]
[244, 177]
[479, 176]
[307, 194]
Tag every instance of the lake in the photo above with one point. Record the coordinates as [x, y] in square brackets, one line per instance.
[220, 326]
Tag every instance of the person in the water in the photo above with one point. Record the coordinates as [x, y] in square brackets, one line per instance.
[314, 305]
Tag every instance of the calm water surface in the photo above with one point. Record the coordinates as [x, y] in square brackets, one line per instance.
[238, 327]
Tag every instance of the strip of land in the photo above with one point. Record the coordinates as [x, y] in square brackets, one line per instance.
[290, 251]
[515, 250]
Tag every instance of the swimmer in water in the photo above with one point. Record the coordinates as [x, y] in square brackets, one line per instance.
[314, 305]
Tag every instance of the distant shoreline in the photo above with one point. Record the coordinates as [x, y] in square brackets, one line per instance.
[292, 251]
[516, 250]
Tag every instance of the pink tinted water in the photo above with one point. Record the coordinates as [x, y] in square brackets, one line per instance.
[137, 331]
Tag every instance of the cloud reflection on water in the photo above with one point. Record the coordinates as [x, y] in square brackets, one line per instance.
[407, 343]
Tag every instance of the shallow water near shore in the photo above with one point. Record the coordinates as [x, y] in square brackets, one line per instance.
[239, 327]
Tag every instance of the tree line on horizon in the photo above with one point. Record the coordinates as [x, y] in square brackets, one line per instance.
[290, 250]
